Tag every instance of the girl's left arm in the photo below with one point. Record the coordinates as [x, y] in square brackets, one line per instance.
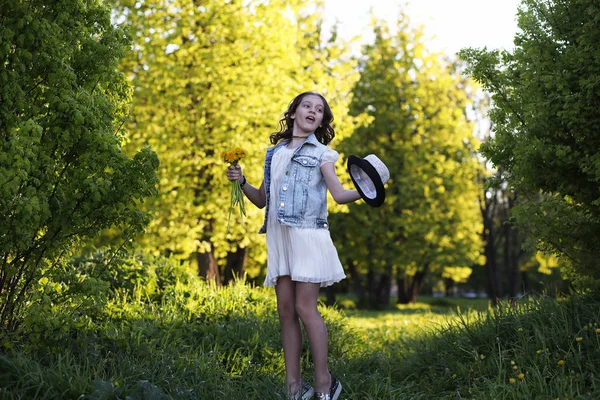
[339, 194]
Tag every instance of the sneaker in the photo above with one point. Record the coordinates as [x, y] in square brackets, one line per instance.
[334, 391]
[305, 392]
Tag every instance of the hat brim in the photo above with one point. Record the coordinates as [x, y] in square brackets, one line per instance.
[372, 173]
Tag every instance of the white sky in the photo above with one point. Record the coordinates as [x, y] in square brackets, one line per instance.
[450, 24]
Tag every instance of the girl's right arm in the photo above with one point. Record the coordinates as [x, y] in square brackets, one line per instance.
[256, 195]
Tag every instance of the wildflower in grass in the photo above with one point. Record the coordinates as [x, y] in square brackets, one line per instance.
[515, 367]
[512, 380]
[237, 196]
[482, 357]
[521, 376]
[512, 362]
[561, 363]
[598, 331]
[520, 329]
[539, 352]
[453, 376]
[578, 339]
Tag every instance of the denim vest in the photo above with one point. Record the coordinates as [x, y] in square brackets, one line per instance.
[302, 198]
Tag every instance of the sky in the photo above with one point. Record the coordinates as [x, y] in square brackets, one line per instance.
[449, 24]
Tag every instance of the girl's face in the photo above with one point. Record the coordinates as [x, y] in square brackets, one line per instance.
[309, 115]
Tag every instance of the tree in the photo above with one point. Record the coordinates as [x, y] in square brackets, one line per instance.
[209, 77]
[63, 174]
[509, 267]
[546, 116]
[417, 125]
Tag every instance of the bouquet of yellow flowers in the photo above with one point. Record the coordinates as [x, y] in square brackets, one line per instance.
[237, 197]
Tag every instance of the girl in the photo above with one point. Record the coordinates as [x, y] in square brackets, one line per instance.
[301, 256]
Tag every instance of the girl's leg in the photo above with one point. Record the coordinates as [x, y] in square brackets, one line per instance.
[306, 307]
[291, 335]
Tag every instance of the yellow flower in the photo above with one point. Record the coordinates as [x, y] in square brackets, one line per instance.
[539, 352]
[520, 329]
[561, 362]
[579, 339]
[598, 331]
[512, 380]
[482, 357]
[239, 153]
[453, 376]
[515, 367]
[521, 376]
[230, 157]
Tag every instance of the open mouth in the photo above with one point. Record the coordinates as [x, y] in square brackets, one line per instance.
[310, 119]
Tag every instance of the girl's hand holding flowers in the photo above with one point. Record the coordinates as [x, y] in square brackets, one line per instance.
[234, 174]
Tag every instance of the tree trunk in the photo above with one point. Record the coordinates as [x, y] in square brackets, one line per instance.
[489, 238]
[492, 269]
[235, 266]
[371, 287]
[513, 277]
[417, 283]
[330, 296]
[448, 287]
[207, 267]
[384, 289]
[402, 283]
[513, 263]
[379, 286]
[525, 281]
[359, 289]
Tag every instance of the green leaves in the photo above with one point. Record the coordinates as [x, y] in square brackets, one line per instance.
[64, 175]
[418, 128]
[213, 77]
[545, 118]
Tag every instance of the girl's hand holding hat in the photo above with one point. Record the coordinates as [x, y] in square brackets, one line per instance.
[369, 176]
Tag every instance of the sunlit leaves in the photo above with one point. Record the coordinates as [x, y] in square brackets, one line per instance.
[418, 128]
[63, 174]
[212, 77]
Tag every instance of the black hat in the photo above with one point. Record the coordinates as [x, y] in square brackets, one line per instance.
[369, 174]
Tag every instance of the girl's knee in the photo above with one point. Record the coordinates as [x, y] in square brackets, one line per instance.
[286, 310]
[306, 311]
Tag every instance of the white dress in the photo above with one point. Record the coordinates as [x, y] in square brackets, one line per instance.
[306, 255]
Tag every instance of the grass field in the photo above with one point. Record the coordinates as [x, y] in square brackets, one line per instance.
[185, 339]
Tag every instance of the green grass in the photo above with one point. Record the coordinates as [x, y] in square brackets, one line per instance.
[195, 341]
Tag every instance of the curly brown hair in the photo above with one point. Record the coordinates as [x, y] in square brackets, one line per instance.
[324, 134]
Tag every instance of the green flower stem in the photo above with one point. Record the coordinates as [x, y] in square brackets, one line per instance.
[237, 199]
